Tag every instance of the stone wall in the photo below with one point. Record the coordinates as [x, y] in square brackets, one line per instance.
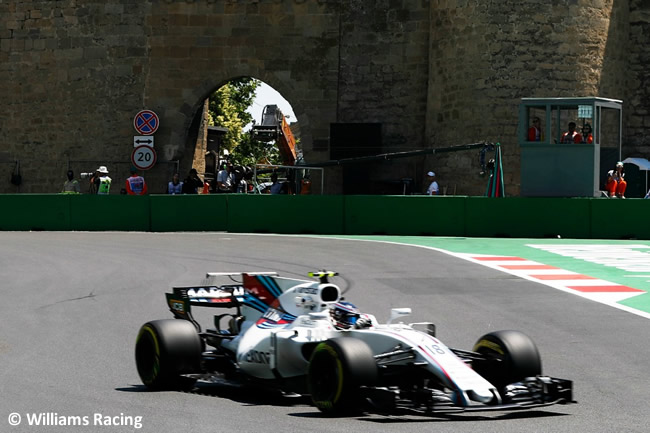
[384, 66]
[72, 74]
[487, 55]
[78, 71]
[637, 112]
[434, 73]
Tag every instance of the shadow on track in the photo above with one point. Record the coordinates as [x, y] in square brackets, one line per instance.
[245, 394]
[249, 395]
[380, 418]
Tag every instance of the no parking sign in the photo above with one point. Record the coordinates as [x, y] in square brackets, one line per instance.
[146, 122]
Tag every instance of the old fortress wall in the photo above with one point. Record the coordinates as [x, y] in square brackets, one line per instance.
[434, 73]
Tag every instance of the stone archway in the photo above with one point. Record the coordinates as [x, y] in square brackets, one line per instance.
[194, 139]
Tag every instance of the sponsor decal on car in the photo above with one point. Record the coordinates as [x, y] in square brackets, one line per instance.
[255, 357]
[177, 306]
[214, 292]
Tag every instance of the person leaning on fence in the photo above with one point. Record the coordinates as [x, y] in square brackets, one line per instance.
[433, 188]
[226, 179]
[71, 186]
[100, 183]
[192, 182]
[175, 186]
[135, 184]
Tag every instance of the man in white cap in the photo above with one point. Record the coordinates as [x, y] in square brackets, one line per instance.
[433, 188]
[101, 181]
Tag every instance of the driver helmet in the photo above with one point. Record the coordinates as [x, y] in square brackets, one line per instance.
[344, 315]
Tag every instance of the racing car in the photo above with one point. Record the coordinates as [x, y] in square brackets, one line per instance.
[301, 336]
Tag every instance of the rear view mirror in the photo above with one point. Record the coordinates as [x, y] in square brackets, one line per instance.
[398, 312]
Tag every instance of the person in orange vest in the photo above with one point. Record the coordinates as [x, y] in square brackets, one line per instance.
[535, 131]
[619, 177]
[611, 184]
[587, 136]
[305, 185]
[135, 185]
[571, 136]
[616, 184]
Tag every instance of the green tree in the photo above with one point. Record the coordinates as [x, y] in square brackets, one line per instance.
[251, 151]
[227, 108]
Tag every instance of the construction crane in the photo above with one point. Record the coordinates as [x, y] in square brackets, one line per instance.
[274, 126]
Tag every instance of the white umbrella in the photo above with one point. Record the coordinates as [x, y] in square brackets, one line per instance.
[643, 164]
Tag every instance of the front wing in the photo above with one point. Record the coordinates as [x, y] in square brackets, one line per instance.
[533, 392]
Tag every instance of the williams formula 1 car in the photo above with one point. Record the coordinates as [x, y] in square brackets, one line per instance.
[299, 336]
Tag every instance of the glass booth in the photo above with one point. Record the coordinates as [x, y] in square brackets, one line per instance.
[564, 143]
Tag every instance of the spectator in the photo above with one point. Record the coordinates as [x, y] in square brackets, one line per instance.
[305, 184]
[587, 135]
[206, 187]
[175, 186]
[192, 182]
[243, 177]
[535, 131]
[571, 136]
[226, 179]
[101, 181]
[93, 182]
[276, 186]
[619, 177]
[71, 186]
[433, 188]
[616, 184]
[135, 184]
[611, 184]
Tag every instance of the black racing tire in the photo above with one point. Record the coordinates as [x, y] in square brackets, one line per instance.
[164, 351]
[512, 356]
[337, 368]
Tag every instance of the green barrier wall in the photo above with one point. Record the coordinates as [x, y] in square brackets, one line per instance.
[22, 212]
[113, 212]
[620, 219]
[285, 214]
[528, 217]
[170, 213]
[405, 215]
[392, 215]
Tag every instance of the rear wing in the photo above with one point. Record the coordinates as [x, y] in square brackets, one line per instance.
[251, 293]
[182, 299]
[232, 274]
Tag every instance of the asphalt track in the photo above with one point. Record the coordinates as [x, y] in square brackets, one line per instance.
[72, 303]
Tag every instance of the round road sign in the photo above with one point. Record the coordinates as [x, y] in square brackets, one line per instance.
[143, 157]
[146, 122]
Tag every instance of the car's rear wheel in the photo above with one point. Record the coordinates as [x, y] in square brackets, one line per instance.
[511, 357]
[337, 369]
[165, 350]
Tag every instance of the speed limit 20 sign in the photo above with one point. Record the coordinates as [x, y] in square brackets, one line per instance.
[143, 157]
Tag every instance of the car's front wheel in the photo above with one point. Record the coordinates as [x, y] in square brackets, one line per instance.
[337, 369]
[511, 356]
[165, 350]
